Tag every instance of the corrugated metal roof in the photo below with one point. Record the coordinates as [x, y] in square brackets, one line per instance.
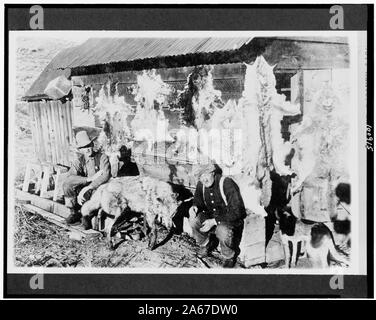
[98, 51]
[327, 39]
[102, 51]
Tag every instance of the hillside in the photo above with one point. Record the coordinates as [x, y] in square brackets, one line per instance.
[32, 57]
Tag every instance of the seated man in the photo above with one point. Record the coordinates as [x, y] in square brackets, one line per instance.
[126, 166]
[217, 214]
[90, 170]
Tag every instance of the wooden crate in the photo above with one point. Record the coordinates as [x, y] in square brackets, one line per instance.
[274, 250]
[252, 246]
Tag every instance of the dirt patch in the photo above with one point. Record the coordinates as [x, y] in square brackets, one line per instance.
[41, 243]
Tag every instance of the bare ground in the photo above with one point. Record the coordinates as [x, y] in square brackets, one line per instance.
[41, 243]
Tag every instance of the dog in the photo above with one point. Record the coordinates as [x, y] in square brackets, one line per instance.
[315, 238]
[342, 217]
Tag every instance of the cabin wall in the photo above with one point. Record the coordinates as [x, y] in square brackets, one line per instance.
[296, 55]
[290, 58]
[228, 78]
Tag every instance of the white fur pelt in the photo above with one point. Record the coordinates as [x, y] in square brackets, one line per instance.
[152, 197]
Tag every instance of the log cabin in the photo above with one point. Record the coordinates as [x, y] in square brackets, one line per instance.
[300, 63]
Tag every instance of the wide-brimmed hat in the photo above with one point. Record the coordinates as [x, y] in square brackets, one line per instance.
[206, 168]
[83, 140]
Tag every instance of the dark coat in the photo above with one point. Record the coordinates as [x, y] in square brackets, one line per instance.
[214, 205]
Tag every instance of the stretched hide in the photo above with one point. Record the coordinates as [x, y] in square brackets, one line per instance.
[152, 197]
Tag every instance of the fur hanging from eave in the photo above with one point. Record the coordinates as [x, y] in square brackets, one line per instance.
[199, 99]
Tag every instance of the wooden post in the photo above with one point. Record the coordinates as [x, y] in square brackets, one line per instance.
[45, 132]
[57, 131]
[69, 116]
[64, 120]
[72, 119]
[45, 181]
[33, 129]
[53, 124]
[51, 133]
[57, 181]
[26, 182]
[62, 132]
[55, 144]
[48, 133]
[67, 135]
[41, 152]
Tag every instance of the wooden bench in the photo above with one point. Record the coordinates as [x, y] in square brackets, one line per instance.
[43, 173]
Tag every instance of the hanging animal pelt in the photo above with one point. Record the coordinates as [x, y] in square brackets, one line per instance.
[199, 99]
[321, 144]
[260, 90]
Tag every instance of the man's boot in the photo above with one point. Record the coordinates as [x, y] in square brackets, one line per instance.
[86, 222]
[229, 263]
[206, 249]
[74, 217]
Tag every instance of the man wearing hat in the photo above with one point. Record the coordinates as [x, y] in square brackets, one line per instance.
[217, 214]
[90, 170]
